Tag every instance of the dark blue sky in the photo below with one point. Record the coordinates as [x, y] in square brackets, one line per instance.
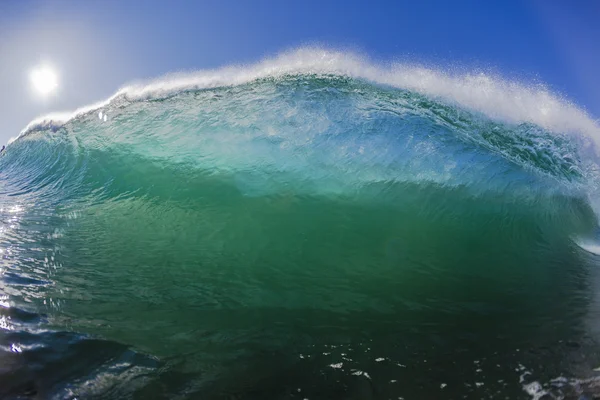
[99, 45]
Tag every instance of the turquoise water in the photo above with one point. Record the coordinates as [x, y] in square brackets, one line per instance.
[295, 230]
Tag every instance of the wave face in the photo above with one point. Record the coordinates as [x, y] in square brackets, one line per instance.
[267, 231]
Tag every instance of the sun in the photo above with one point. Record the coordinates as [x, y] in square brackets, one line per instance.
[44, 80]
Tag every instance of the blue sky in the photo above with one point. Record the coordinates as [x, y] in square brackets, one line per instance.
[97, 46]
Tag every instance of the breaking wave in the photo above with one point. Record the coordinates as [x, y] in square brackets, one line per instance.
[315, 185]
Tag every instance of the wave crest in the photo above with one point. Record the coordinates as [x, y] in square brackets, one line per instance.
[490, 95]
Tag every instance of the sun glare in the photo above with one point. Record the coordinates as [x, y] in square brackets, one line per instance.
[44, 80]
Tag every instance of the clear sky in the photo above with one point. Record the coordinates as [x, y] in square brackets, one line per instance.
[97, 46]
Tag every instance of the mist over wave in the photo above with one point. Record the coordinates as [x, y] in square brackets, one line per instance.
[497, 98]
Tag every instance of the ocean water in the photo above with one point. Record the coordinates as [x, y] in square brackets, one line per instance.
[314, 226]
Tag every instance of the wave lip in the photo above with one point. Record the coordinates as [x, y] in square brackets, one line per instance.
[492, 96]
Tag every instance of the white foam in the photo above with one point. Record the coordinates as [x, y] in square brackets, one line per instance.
[495, 97]
[535, 390]
[589, 246]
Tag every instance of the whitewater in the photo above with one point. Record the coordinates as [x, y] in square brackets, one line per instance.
[315, 225]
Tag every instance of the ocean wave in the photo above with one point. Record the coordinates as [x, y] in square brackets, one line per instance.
[311, 224]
